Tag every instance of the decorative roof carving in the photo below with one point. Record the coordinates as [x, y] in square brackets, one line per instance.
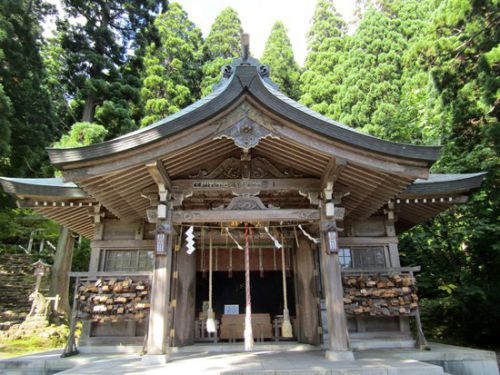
[263, 168]
[227, 71]
[246, 133]
[264, 71]
[245, 203]
[229, 168]
[232, 168]
[246, 110]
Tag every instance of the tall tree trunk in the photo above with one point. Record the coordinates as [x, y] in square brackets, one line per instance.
[59, 282]
[88, 109]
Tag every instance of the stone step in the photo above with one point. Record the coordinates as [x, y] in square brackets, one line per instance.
[365, 344]
[304, 363]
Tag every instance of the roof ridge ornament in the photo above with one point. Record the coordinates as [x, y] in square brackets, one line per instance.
[245, 46]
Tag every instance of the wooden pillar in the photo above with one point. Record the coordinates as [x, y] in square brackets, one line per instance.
[307, 294]
[338, 338]
[159, 316]
[184, 316]
[59, 282]
[390, 231]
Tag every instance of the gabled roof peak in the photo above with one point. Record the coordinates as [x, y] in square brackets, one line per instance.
[250, 68]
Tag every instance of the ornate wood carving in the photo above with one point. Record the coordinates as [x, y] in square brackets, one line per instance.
[217, 216]
[246, 133]
[246, 202]
[260, 168]
[263, 168]
[229, 168]
[241, 186]
[245, 110]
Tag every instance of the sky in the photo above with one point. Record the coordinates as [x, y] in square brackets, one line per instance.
[258, 17]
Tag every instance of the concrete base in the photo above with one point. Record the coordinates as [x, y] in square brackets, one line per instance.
[454, 360]
[155, 359]
[110, 349]
[240, 347]
[441, 358]
[339, 356]
[381, 344]
[458, 360]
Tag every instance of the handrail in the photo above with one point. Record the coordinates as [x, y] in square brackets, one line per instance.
[91, 275]
[380, 270]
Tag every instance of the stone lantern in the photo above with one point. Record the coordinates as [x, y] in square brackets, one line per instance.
[40, 270]
[38, 301]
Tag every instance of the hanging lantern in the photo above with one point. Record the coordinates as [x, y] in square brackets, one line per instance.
[162, 232]
[332, 242]
[333, 245]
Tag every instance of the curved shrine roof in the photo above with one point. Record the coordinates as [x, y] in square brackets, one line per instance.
[240, 78]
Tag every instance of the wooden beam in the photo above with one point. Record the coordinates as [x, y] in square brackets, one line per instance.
[159, 173]
[215, 216]
[94, 275]
[117, 244]
[235, 185]
[332, 171]
[367, 241]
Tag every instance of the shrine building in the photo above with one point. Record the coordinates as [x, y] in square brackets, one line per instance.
[245, 210]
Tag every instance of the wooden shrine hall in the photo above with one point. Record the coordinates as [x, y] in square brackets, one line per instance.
[243, 199]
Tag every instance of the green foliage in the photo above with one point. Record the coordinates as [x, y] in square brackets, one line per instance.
[173, 66]
[26, 115]
[461, 247]
[5, 113]
[17, 224]
[52, 337]
[81, 256]
[460, 254]
[369, 95]
[278, 54]
[82, 134]
[221, 47]
[326, 45]
[95, 67]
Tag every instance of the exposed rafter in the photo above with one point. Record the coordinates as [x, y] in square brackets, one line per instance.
[159, 174]
[332, 171]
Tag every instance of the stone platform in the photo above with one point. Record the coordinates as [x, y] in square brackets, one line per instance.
[442, 359]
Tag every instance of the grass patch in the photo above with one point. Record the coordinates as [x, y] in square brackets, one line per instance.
[27, 345]
[52, 337]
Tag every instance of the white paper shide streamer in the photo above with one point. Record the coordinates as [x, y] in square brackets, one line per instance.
[276, 242]
[234, 239]
[190, 248]
[315, 240]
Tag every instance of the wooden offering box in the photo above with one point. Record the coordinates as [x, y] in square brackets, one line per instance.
[233, 327]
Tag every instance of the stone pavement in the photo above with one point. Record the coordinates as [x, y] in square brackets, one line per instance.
[295, 360]
[311, 362]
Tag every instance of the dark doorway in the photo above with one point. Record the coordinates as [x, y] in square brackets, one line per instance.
[266, 292]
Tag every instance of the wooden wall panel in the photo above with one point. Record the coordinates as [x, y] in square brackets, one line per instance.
[185, 298]
[307, 294]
